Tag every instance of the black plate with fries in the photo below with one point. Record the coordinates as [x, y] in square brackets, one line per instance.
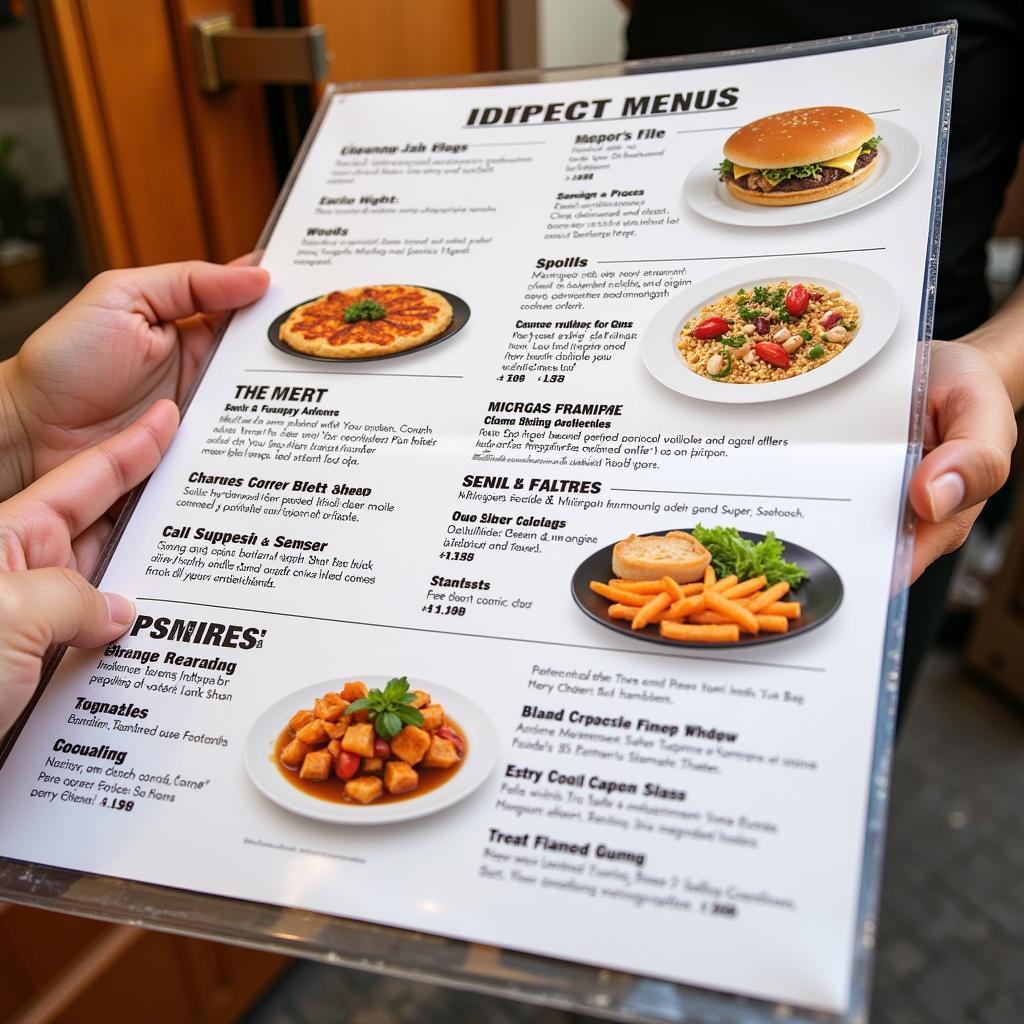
[460, 317]
[819, 595]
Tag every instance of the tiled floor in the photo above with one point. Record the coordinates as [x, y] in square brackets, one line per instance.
[951, 943]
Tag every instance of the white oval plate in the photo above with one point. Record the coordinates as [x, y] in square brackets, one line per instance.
[879, 313]
[259, 758]
[897, 158]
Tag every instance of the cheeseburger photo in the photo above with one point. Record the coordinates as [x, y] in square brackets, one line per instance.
[799, 156]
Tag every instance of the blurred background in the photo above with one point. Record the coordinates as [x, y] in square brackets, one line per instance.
[130, 135]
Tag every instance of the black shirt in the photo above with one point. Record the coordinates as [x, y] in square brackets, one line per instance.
[986, 128]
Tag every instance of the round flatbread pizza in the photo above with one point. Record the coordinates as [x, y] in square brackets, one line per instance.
[377, 320]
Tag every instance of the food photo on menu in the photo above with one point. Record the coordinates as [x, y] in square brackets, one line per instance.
[523, 559]
[770, 333]
[369, 322]
[710, 586]
[783, 327]
[800, 156]
[802, 166]
[381, 742]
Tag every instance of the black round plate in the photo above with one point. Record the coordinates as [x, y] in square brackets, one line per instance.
[819, 595]
[460, 317]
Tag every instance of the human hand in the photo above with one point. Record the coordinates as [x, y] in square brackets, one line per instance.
[970, 432]
[51, 535]
[109, 354]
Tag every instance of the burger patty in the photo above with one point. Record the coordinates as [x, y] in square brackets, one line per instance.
[756, 182]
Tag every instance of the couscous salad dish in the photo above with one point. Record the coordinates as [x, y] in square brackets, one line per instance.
[769, 332]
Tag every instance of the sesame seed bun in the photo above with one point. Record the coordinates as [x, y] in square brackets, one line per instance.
[807, 195]
[797, 137]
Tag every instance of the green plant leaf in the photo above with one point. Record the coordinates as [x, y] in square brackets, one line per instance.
[390, 708]
[411, 716]
[388, 724]
[357, 705]
[732, 554]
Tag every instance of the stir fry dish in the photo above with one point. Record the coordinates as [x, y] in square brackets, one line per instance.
[361, 746]
[768, 333]
[741, 591]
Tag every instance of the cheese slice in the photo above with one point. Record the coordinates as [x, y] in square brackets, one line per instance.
[844, 162]
[738, 171]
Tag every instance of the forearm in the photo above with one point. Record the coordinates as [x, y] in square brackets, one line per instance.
[1001, 340]
[15, 444]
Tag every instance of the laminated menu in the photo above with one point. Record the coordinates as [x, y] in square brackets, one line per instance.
[522, 570]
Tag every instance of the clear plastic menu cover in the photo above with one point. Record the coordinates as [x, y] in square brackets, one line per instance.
[525, 333]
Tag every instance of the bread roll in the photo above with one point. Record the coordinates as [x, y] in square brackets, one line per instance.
[676, 554]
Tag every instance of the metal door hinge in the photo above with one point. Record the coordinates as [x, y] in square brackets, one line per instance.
[225, 55]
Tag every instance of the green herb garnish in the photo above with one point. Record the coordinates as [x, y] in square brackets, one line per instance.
[816, 353]
[724, 169]
[390, 709]
[736, 342]
[872, 143]
[365, 309]
[806, 335]
[732, 554]
[750, 315]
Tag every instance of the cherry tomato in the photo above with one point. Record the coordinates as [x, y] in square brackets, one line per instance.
[711, 327]
[347, 765]
[797, 299]
[762, 325]
[450, 734]
[381, 748]
[831, 320]
[772, 353]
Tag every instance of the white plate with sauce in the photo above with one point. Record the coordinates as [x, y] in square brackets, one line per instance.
[898, 157]
[878, 311]
[261, 764]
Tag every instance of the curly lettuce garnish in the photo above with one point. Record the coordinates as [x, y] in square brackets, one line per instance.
[733, 555]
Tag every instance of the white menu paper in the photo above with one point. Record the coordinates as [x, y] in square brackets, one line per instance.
[690, 811]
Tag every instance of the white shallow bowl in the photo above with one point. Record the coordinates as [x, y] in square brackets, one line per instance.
[879, 312]
[480, 758]
[897, 159]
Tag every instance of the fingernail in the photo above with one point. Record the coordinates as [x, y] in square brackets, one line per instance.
[122, 611]
[946, 494]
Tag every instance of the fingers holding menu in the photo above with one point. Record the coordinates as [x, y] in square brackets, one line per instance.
[971, 432]
[175, 291]
[43, 521]
[43, 607]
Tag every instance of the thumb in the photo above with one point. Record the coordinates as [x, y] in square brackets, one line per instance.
[43, 607]
[176, 291]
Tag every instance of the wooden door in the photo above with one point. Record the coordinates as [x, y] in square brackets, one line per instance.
[163, 171]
